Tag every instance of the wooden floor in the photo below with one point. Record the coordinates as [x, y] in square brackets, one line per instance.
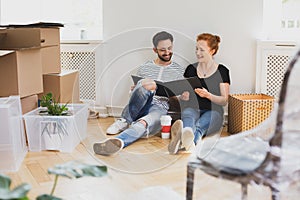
[144, 170]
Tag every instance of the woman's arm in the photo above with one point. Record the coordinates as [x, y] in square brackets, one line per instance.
[220, 100]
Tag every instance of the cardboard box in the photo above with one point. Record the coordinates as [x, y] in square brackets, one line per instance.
[62, 133]
[29, 103]
[16, 38]
[51, 60]
[12, 137]
[245, 111]
[21, 72]
[48, 39]
[64, 86]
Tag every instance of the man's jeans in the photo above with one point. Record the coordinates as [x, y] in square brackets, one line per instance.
[140, 107]
[203, 122]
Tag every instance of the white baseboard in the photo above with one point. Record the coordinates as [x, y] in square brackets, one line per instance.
[108, 111]
[114, 111]
[102, 111]
[92, 106]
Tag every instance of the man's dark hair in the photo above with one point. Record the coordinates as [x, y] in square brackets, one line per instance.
[163, 35]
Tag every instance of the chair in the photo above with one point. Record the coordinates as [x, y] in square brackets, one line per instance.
[267, 154]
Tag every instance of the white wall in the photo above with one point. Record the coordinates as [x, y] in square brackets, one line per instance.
[128, 25]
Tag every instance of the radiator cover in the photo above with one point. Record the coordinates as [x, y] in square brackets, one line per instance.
[82, 57]
[271, 64]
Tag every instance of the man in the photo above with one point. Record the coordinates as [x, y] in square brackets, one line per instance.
[144, 109]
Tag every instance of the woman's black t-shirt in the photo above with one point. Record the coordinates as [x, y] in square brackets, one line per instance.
[211, 83]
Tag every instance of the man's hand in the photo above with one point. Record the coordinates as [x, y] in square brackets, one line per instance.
[185, 96]
[149, 84]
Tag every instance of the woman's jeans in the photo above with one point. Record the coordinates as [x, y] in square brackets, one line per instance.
[141, 107]
[203, 122]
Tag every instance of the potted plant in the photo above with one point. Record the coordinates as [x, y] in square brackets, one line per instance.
[53, 131]
[52, 106]
[70, 170]
[56, 126]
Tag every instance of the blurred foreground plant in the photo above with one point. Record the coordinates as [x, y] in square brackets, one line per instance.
[70, 170]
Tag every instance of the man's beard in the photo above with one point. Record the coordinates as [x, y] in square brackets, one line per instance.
[161, 57]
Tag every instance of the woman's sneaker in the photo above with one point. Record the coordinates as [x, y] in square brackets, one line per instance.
[187, 139]
[176, 132]
[108, 147]
[117, 127]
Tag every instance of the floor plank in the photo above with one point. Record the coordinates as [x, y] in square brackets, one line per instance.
[143, 167]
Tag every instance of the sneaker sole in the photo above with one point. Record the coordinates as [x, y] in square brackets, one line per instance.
[176, 131]
[115, 133]
[108, 147]
[120, 130]
[187, 139]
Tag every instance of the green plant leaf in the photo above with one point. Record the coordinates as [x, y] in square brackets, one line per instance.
[5, 181]
[18, 192]
[53, 107]
[47, 197]
[73, 169]
[76, 169]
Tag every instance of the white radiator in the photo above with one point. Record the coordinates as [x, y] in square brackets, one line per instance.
[271, 62]
[84, 58]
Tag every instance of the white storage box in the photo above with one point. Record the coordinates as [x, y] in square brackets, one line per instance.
[12, 138]
[62, 133]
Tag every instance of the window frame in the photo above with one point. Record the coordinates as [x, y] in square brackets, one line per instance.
[272, 19]
[81, 26]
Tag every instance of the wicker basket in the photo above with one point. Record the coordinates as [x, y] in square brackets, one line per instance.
[246, 111]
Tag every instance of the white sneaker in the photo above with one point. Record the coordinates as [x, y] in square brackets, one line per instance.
[176, 132]
[187, 139]
[117, 127]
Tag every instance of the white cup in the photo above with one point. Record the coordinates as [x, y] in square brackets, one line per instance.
[165, 121]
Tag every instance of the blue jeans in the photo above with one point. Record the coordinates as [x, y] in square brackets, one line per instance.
[141, 107]
[203, 122]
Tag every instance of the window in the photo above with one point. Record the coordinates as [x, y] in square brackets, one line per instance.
[281, 19]
[82, 19]
[290, 14]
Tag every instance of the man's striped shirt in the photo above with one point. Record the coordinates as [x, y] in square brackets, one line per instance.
[161, 73]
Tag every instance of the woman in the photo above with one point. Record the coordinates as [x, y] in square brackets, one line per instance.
[206, 115]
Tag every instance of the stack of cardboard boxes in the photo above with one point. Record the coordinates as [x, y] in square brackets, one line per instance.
[30, 66]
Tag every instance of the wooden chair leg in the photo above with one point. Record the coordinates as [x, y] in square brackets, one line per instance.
[190, 181]
[275, 193]
[244, 191]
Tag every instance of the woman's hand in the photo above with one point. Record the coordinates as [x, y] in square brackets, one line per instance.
[202, 92]
[220, 100]
[185, 96]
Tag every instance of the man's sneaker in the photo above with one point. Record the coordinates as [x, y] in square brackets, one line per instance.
[117, 127]
[187, 139]
[176, 132]
[108, 147]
